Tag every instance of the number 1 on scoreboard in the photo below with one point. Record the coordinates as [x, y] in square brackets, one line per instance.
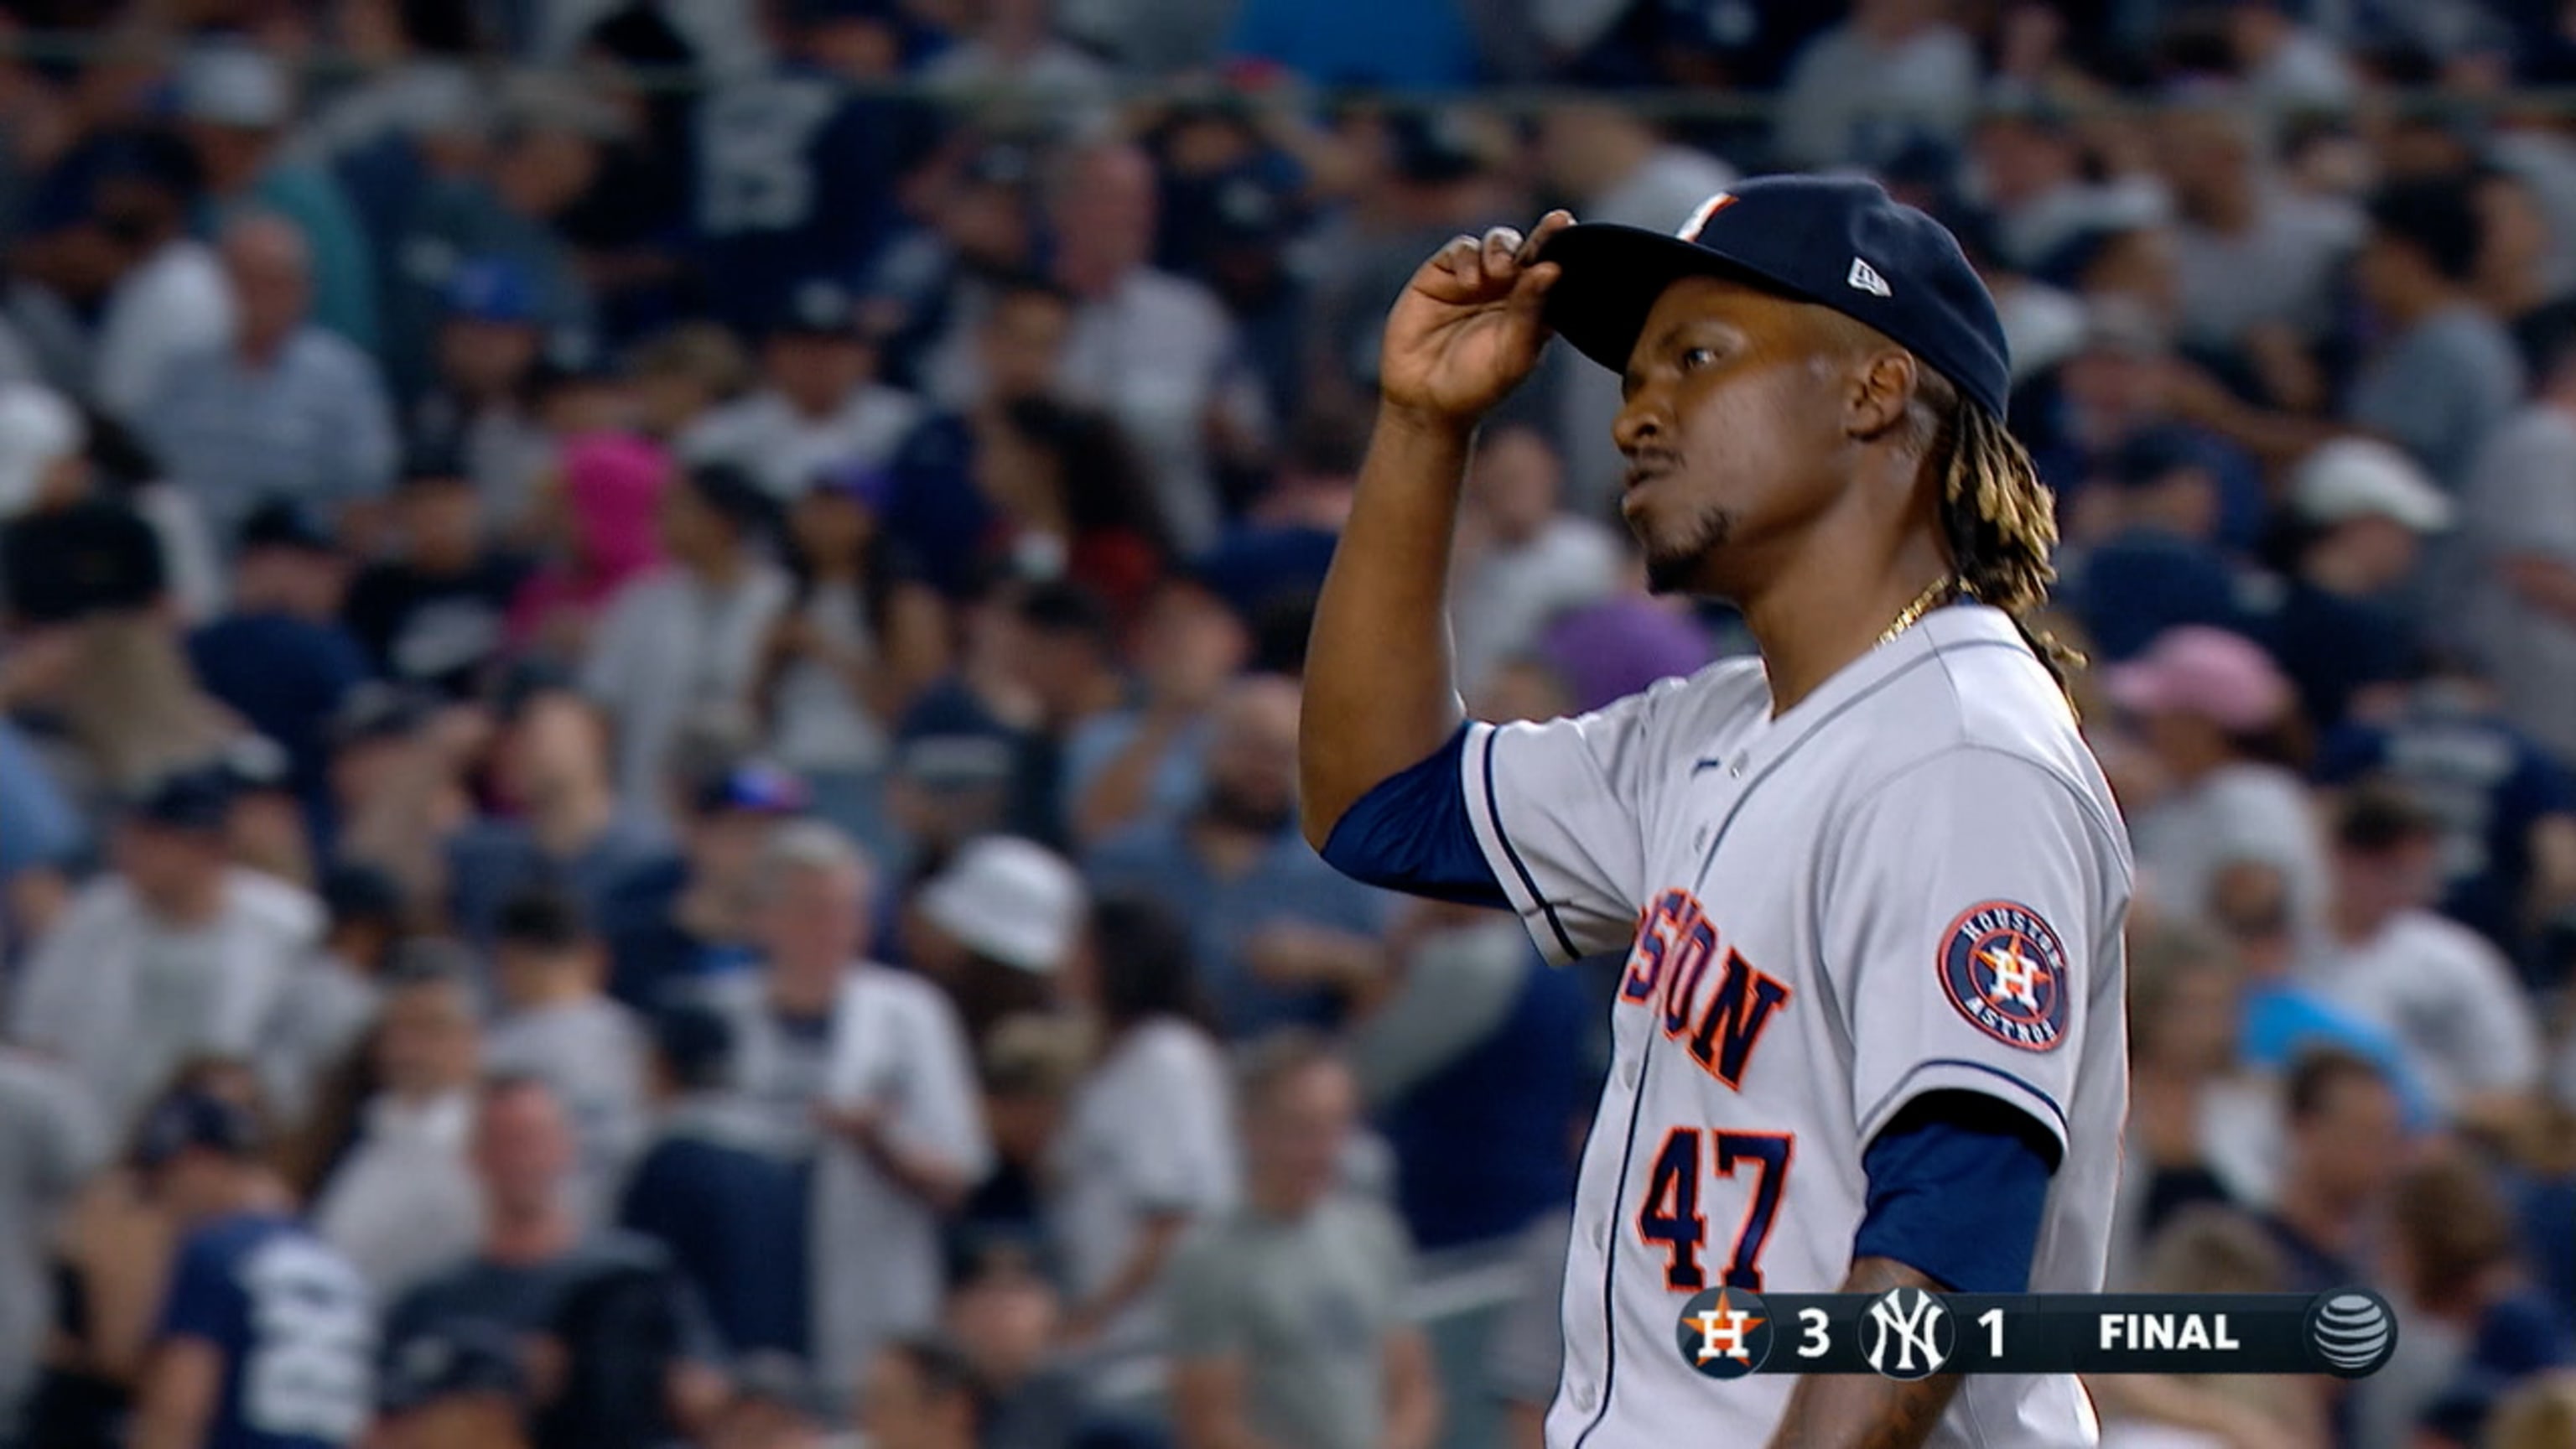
[1992, 1321]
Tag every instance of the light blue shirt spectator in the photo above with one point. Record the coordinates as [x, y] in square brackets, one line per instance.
[311, 423]
[38, 826]
[1289, 886]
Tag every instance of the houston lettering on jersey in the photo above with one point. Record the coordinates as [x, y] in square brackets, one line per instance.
[1667, 969]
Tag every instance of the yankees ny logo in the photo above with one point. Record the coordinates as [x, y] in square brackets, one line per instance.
[1910, 1327]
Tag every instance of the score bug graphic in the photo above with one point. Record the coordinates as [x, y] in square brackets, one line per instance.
[1725, 1333]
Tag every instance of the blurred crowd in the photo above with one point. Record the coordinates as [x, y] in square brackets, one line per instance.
[649, 655]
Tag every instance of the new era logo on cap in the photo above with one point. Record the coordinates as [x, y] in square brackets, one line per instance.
[1865, 277]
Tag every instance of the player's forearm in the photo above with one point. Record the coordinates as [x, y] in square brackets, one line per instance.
[1867, 1413]
[1379, 696]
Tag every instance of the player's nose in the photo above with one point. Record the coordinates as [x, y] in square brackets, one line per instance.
[1642, 421]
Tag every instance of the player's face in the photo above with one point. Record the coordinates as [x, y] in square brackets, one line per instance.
[1732, 428]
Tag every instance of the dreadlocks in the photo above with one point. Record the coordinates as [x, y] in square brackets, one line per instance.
[1999, 520]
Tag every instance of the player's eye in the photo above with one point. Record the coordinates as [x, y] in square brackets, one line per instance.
[1695, 358]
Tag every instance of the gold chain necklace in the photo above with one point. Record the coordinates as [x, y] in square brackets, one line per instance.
[1922, 605]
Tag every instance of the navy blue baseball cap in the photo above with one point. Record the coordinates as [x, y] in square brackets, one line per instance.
[1836, 241]
[190, 1118]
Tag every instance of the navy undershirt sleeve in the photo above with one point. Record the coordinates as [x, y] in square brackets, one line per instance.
[1958, 1183]
[1410, 833]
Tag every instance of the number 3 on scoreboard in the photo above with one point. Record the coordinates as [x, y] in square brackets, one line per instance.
[1670, 1217]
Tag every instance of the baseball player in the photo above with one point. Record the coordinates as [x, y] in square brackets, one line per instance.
[1870, 885]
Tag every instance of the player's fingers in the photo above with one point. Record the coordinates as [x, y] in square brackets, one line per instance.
[1467, 260]
[1502, 245]
[1548, 226]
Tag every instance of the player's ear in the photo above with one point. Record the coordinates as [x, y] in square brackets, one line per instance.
[1880, 392]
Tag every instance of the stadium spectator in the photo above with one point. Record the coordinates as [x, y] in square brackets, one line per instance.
[996, 930]
[2507, 808]
[282, 408]
[722, 1189]
[551, 770]
[2147, 553]
[433, 614]
[859, 639]
[692, 914]
[1185, 401]
[683, 642]
[2481, 1326]
[1353, 1372]
[2446, 375]
[545, 139]
[484, 352]
[2209, 1248]
[1521, 558]
[333, 993]
[50, 1142]
[1895, 73]
[603, 534]
[2364, 514]
[557, 1025]
[2208, 704]
[1147, 1149]
[2346, 1146]
[818, 405]
[2450, 999]
[173, 954]
[870, 1069]
[1145, 760]
[2517, 606]
[400, 1202]
[169, 298]
[248, 1282]
[612, 1312]
[278, 657]
[1278, 937]
[234, 104]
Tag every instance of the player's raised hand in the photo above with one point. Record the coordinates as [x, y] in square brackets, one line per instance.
[1467, 329]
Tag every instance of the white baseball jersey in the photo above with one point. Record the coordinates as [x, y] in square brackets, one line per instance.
[1914, 880]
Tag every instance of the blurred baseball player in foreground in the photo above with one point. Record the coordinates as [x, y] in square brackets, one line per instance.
[1871, 885]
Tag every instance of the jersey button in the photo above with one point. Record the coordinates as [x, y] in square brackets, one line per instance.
[1628, 1075]
[1602, 1236]
[1583, 1398]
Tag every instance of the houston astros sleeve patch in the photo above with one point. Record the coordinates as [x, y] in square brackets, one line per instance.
[2004, 968]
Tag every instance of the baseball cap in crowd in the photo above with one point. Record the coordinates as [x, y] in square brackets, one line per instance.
[457, 1358]
[1840, 242]
[734, 495]
[1010, 900]
[356, 891]
[2154, 455]
[39, 428]
[869, 485]
[695, 1043]
[192, 1118]
[2351, 478]
[2224, 678]
[282, 523]
[770, 1376]
[752, 787]
[1438, 145]
[491, 289]
[377, 711]
[255, 764]
[947, 741]
[197, 799]
[1251, 207]
[233, 84]
[435, 462]
[816, 307]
